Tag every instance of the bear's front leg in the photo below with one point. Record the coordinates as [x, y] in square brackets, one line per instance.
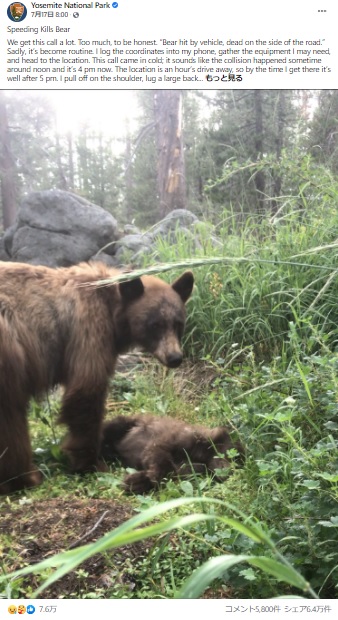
[157, 463]
[187, 470]
[83, 412]
[138, 483]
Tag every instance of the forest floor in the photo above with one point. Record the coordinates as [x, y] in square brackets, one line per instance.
[40, 529]
[280, 506]
[67, 511]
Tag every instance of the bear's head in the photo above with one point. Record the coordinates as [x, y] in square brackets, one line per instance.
[153, 315]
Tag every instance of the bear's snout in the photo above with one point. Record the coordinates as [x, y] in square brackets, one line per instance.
[174, 359]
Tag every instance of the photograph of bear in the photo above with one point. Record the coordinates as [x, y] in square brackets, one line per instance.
[57, 328]
[163, 446]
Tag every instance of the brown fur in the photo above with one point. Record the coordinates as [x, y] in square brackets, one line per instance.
[54, 330]
[162, 446]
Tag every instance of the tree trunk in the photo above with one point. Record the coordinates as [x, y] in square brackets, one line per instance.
[277, 179]
[128, 175]
[61, 177]
[259, 176]
[170, 157]
[7, 169]
[84, 161]
[71, 176]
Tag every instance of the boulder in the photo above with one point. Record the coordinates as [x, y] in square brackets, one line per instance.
[130, 246]
[174, 220]
[179, 223]
[58, 228]
[3, 253]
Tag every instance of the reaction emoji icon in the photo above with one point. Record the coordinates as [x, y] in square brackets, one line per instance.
[12, 609]
[21, 609]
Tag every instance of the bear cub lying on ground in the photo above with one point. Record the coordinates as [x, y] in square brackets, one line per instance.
[162, 446]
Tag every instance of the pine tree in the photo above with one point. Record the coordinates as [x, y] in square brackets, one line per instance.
[323, 136]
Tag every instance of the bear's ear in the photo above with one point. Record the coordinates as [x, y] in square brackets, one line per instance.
[131, 290]
[184, 285]
[220, 438]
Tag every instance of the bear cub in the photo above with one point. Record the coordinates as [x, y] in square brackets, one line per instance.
[162, 446]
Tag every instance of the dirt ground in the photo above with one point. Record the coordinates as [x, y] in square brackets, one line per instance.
[44, 528]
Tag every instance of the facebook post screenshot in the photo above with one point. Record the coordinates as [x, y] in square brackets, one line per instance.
[168, 321]
[133, 44]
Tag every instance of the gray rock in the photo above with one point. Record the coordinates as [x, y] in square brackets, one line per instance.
[57, 228]
[103, 257]
[8, 238]
[3, 254]
[130, 246]
[41, 247]
[173, 221]
[130, 229]
[131, 249]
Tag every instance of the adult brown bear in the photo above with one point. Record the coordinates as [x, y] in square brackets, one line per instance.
[162, 446]
[56, 330]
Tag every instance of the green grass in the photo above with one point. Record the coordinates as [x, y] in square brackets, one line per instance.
[286, 415]
[248, 294]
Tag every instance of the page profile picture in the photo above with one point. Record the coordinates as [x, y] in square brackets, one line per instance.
[17, 12]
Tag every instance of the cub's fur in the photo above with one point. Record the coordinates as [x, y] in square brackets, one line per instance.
[162, 446]
[55, 329]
